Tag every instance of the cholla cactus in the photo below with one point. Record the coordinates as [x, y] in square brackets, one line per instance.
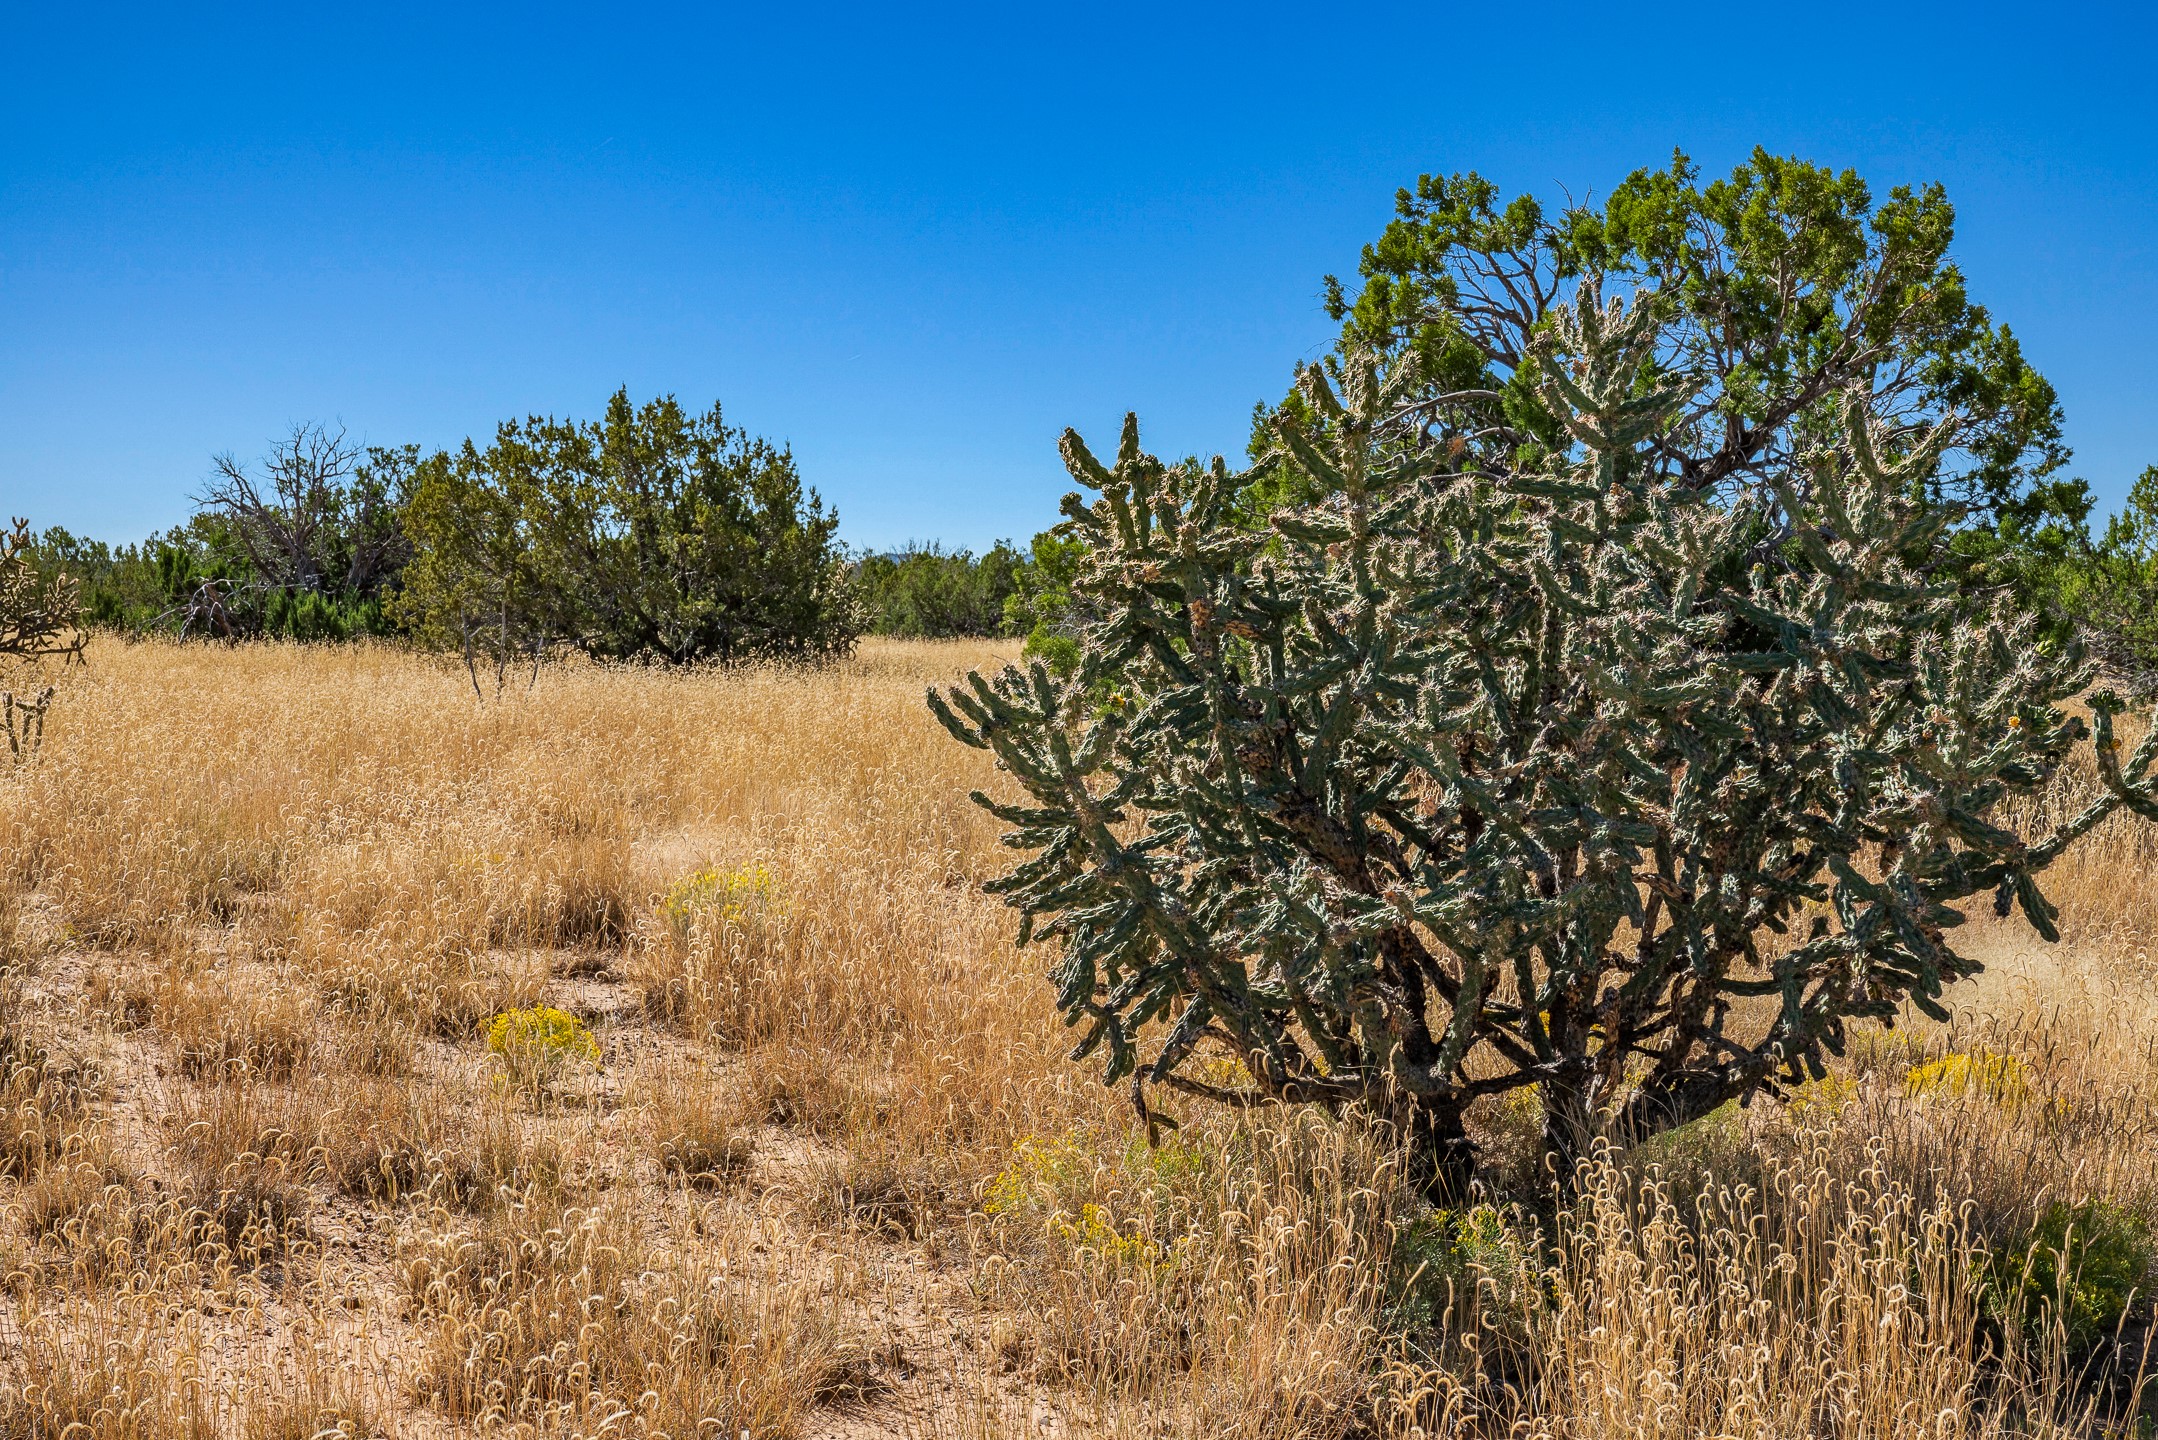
[1557, 771]
[40, 609]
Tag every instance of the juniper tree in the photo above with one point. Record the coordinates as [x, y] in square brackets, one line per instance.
[653, 533]
[1477, 770]
[318, 514]
[1785, 283]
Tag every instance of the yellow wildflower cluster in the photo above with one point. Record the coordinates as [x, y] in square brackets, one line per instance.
[723, 897]
[1038, 1170]
[1095, 1230]
[1227, 1072]
[533, 1046]
[1524, 1105]
[2003, 1079]
[1823, 1098]
[1036, 1180]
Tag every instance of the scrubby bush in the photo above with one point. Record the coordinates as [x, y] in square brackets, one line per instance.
[1041, 607]
[2003, 1079]
[2108, 587]
[535, 1046]
[652, 533]
[1450, 1263]
[719, 897]
[2079, 1267]
[303, 545]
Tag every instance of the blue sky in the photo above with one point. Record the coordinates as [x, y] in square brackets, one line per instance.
[913, 244]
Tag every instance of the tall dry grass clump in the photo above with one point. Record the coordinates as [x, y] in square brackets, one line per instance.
[637, 1056]
[1231, 1282]
[1827, 1303]
[291, 889]
[557, 1315]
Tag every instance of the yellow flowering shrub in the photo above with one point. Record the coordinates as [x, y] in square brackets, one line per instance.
[534, 1046]
[739, 896]
[1227, 1072]
[1095, 1229]
[1043, 1178]
[2003, 1079]
[1038, 1173]
[1822, 1099]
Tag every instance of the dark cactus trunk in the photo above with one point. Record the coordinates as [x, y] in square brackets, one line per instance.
[1569, 1125]
[1442, 1158]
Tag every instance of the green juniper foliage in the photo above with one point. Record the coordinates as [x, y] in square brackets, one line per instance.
[926, 591]
[1500, 760]
[304, 545]
[653, 533]
[1784, 284]
[2106, 588]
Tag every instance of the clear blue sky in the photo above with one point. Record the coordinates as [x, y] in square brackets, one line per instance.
[915, 243]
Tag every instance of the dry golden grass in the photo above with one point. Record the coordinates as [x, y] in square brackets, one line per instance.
[830, 1174]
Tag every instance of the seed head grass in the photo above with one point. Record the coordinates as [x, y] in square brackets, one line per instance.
[637, 1055]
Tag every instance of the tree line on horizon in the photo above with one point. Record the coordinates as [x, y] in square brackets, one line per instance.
[659, 534]
[651, 534]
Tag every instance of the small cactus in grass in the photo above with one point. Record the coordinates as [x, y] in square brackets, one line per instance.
[720, 897]
[535, 1046]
